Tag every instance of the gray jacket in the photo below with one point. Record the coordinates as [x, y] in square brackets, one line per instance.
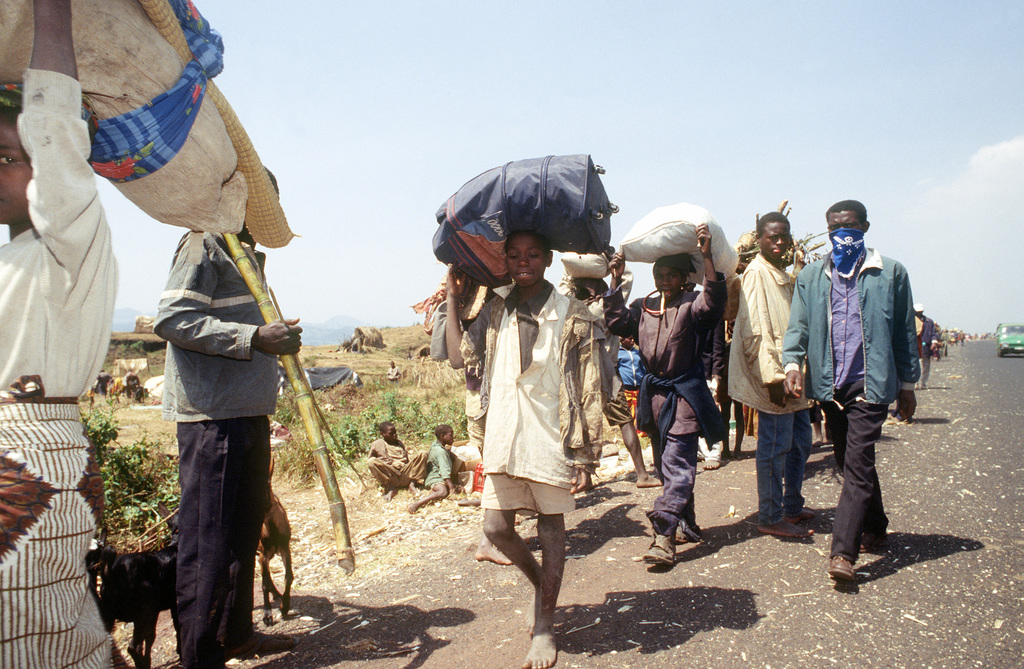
[209, 317]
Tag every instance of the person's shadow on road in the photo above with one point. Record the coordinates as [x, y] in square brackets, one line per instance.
[905, 549]
[587, 536]
[353, 633]
[653, 621]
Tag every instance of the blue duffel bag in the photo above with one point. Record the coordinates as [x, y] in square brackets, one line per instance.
[559, 197]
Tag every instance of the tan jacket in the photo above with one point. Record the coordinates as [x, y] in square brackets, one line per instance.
[580, 400]
[755, 359]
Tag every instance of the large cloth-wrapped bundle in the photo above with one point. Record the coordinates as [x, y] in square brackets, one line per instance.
[673, 229]
[585, 265]
[124, 63]
[559, 197]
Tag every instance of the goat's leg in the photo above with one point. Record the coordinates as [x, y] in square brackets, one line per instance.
[268, 587]
[143, 637]
[286, 596]
[177, 628]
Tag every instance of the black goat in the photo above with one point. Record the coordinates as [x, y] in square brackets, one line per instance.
[135, 588]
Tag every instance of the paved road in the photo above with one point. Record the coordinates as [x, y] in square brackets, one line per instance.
[948, 594]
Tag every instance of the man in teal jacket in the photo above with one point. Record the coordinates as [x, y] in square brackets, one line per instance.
[852, 321]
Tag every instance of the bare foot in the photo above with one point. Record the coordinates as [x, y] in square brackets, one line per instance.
[413, 507]
[486, 552]
[784, 529]
[389, 495]
[412, 489]
[647, 481]
[543, 652]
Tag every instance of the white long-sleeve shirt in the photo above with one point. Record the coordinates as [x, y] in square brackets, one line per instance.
[58, 280]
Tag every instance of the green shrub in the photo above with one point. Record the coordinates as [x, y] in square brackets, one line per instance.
[414, 423]
[101, 427]
[136, 479]
[287, 413]
[354, 432]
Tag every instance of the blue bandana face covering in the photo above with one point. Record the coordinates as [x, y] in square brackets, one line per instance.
[847, 249]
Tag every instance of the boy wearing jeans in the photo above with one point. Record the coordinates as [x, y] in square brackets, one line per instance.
[756, 378]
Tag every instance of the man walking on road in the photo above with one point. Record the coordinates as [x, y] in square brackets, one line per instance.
[756, 378]
[852, 320]
[929, 342]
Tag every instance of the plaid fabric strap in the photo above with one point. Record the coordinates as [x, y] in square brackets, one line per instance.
[141, 141]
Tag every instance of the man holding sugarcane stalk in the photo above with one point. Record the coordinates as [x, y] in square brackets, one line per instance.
[220, 386]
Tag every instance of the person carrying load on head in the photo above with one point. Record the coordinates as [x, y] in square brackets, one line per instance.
[675, 405]
[541, 391]
[59, 281]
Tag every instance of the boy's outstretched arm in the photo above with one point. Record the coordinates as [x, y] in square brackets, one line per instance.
[53, 47]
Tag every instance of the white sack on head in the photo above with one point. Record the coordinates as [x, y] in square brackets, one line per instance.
[673, 229]
[585, 266]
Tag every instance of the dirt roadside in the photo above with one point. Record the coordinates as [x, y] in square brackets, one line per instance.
[947, 594]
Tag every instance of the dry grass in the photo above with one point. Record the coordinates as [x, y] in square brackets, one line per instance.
[422, 379]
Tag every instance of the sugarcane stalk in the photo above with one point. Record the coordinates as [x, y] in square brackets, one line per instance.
[307, 408]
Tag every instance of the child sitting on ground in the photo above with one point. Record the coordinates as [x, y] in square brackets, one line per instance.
[439, 469]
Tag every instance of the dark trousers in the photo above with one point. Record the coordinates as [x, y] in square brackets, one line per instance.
[224, 467]
[677, 468]
[855, 428]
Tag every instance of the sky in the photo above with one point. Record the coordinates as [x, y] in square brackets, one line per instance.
[372, 114]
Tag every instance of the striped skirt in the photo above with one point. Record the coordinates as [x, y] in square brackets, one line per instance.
[51, 498]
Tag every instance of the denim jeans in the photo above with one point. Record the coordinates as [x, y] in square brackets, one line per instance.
[677, 469]
[926, 368]
[783, 445]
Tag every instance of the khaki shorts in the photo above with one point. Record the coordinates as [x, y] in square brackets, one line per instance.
[506, 493]
[616, 411]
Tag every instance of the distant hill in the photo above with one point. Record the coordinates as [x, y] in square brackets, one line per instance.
[329, 333]
[324, 334]
[124, 319]
[343, 322]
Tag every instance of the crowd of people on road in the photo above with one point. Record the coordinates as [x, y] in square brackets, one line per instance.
[838, 335]
[545, 370]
